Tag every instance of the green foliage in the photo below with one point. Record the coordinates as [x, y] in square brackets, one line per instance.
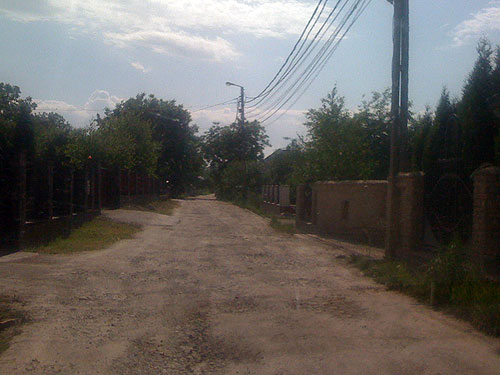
[375, 117]
[232, 153]
[418, 134]
[52, 136]
[477, 110]
[179, 159]
[342, 146]
[237, 179]
[145, 134]
[16, 126]
[126, 141]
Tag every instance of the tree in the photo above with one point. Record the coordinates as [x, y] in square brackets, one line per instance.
[52, 134]
[337, 146]
[126, 141]
[179, 159]
[476, 111]
[375, 117]
[418, 134]
[280, 166]
[230, 151]
[495, 102]
[16, 127]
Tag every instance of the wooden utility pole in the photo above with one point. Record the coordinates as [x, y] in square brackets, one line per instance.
[399, 161]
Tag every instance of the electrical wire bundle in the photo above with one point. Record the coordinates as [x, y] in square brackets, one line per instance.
[325, 30]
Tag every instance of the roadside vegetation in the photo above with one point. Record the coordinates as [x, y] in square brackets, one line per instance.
[10, 321]
[161, 206]
[450, 282]
[93, 235]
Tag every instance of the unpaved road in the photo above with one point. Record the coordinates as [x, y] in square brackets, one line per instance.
[214, 290]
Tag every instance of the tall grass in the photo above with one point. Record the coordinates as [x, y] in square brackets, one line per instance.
[451, 281]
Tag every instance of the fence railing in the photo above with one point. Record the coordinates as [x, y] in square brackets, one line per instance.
[40, 200]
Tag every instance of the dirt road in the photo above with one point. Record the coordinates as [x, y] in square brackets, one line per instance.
[214, 290]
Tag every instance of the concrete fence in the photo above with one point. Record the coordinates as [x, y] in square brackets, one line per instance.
[276, 199]
[357, 210]
[348, 209]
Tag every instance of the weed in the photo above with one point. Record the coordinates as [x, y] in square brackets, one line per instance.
[450, 281]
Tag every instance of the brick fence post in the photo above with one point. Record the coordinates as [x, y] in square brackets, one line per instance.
[486, 221]
[300, 208]
[411, 210]
[392, 238]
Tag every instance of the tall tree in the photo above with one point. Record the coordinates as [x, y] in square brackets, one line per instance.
[476, 111]
[231, 152]
[179, 159]
[337, 147]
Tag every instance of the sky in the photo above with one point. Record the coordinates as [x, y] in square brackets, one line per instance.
[76, 57]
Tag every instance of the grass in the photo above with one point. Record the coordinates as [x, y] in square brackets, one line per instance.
[449, 282]
[282, 227]
[93, 235]
[10, 320]
[159, 206]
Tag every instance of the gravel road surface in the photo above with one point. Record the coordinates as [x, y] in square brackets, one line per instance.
[214, 290]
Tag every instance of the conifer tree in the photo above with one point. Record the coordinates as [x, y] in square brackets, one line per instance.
[476, 111]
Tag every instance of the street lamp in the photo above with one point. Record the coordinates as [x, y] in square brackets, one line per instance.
[241, 107]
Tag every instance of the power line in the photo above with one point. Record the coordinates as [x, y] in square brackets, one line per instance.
[319, 60]
[294, 47]
[231, 101]
[319, 68]
[294, 69]
[297, 62]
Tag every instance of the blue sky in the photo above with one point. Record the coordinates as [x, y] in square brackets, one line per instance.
[78, 56]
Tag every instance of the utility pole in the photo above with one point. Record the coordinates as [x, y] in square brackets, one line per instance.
[399, 161]
[241, 102]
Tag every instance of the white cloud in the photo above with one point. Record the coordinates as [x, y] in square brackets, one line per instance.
[482, 22]
[101, 99]
[137, 65]
[79, 116]
[195, 28]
